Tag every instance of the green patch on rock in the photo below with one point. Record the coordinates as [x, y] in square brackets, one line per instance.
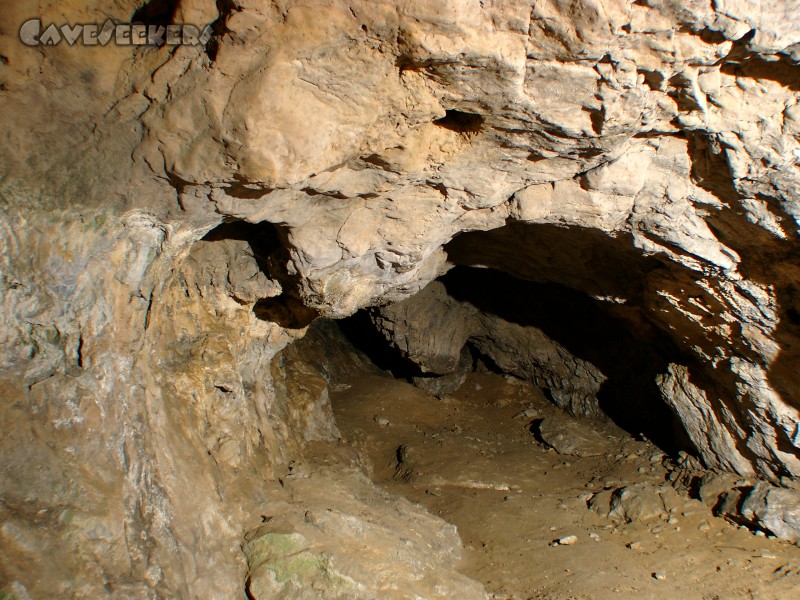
[283, 566]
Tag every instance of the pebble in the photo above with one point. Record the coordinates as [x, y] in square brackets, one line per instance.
[526, 414]
[760, 533]
[382, 421]
[704, 526]
[594, 536]
[568, 540]
[672, 521]
[659, 576]
[633, 546]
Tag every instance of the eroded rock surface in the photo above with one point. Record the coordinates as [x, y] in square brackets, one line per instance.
[431, 329]
[340, 537]
[140, 407]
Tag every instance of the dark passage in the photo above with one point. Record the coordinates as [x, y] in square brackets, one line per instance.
[630, 357]
[266, 243]
[584, 290]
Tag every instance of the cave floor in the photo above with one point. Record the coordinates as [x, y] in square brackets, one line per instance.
[471, 459]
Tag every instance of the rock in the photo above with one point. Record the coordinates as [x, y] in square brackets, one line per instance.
[640, 502]
[774, 509]
[524, 351]
[443, 385]
[571, 436]
[659, 576]
[527, 414]
[633, 546]
[344, 545]
[568, 540]
[761, 506]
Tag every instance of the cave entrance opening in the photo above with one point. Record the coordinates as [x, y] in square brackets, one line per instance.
[561, 309]
[564, 309]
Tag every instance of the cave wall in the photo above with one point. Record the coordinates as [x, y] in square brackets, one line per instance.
[138, 398]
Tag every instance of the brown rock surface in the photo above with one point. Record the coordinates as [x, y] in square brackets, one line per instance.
[174, 217]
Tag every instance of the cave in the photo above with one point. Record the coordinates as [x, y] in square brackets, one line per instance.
[356, 300]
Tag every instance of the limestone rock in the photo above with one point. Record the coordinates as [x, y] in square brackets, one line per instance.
[342, 537]
[640, 502]
[363, 137]
[775, 509]
[572, 437]
[431, 329]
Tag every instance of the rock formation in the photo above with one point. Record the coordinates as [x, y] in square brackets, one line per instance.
[173, 217]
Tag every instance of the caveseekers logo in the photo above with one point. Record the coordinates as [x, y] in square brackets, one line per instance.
[33, 33]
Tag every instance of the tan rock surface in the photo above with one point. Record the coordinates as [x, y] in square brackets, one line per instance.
[140, 405]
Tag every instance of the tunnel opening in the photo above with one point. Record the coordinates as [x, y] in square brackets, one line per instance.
[631, 358]
[563, 308]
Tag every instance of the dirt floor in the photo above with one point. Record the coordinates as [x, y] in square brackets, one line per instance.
[472, 459]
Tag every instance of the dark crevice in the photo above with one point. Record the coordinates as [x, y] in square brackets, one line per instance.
[680, 90]
[362, 334]
[709, 36]
[312, 192]
[268, 245]
[285, 310]
[156, 12]
[219, 28]
[407, 63]
[782, 71]
[653, 79]
[481, 361]
[264, 240]
[245, 192]
[377, 161]
[461, 122]
[741, 61]
[630, 357]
